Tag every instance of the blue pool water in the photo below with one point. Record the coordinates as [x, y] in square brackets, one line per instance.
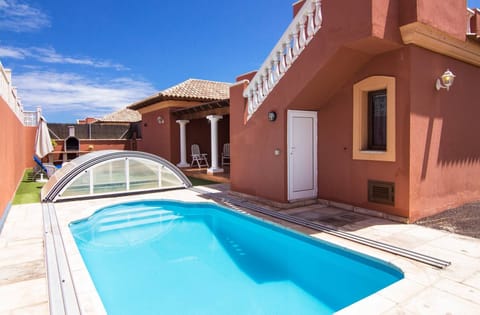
[166, 257]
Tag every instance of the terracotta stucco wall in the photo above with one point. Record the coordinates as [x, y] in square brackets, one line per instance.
[445, 150]
[157, 138]
[16, 153]
[437, 155]
[199, 131]
[255, 170]
[347, 41]
[447, 16]
[164, 139]
[342, 179]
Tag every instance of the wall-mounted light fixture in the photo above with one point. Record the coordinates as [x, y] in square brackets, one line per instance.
[272, 116]
[160, 120]
[445, 81]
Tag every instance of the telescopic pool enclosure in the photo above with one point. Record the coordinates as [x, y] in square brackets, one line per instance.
[112, 172]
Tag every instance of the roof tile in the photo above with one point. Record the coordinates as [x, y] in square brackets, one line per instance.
[122, 115]
[189, 90]
[199, 89]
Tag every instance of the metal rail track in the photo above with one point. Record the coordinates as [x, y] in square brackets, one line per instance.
[231, 201]
[61, 292]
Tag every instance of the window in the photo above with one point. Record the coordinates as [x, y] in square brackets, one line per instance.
[374, 119]
[377, 120]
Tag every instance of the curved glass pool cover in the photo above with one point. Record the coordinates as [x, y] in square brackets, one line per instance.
[112, 172]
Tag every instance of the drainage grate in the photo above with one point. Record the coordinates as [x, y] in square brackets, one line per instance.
[381, 192]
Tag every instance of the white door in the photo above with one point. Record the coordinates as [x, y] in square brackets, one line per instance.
[302, 154]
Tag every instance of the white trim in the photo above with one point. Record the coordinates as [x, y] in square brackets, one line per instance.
[307, 194]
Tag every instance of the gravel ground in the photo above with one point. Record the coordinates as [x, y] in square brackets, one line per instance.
[464, 220]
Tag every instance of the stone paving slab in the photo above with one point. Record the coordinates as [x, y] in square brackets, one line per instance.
[23, 295]
[23, 285]
[425, 290]
[22, 272]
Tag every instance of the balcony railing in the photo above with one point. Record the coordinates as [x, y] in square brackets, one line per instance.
[9, 94]
[298, 35]
[31, 118]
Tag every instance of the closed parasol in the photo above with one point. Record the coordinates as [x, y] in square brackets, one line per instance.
[43, 142]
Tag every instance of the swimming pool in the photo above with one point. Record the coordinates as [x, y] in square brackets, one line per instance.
[169, 257]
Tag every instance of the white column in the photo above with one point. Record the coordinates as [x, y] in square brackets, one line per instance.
[214, 143]
[183, 143]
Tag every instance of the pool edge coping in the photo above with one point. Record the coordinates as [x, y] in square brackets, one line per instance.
[89, 300]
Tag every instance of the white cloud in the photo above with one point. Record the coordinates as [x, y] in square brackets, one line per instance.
[50, 55]
[68, 92]
[17, 16]
[12, 52]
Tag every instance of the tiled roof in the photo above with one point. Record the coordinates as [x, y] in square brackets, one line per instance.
[199, 89]
[123, 115]
[189, 90]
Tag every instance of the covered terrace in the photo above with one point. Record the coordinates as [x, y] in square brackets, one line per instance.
[192, 112]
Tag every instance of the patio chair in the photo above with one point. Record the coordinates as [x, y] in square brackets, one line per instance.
[197, 157]
[42, 168]
[226, 154]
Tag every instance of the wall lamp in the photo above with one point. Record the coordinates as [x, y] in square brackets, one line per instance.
[272, 116]
[445, 81]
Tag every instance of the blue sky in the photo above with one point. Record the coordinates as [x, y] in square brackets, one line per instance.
[91, 57]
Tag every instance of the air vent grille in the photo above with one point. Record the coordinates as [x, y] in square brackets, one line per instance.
[381, 192]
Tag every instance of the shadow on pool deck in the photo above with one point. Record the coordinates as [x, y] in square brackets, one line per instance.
[323, 214]
[464, 220]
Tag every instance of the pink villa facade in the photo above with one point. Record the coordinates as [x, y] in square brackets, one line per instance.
[345, 109]
[427, 160]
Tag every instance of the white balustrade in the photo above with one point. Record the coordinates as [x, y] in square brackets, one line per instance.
[470, 15]
[298, 35]
[283, 57]
[271, 76]
[30, 118]
[303, 33]
[9, 94]
[289, 54]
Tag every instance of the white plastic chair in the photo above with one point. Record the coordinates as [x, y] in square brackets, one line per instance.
[197, 157]
[226, 154]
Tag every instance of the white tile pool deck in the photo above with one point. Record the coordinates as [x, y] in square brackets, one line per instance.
[425, 290]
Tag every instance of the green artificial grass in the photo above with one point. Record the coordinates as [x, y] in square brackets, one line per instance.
[28, 191]
[200, 182]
